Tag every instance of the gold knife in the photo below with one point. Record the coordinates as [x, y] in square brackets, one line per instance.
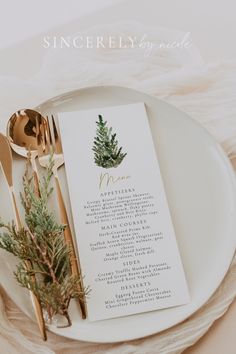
[6, 162]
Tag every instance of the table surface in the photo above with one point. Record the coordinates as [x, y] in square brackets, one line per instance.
[214, 38]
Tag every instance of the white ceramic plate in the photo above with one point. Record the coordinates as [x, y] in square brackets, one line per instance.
[200, 187]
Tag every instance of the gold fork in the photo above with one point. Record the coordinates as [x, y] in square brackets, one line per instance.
[49, 142]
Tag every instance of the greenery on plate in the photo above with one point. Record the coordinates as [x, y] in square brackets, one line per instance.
[44, 257]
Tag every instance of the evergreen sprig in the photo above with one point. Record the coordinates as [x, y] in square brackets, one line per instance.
[44, 257]
[107, 154]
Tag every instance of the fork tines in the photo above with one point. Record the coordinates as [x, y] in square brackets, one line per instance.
[54, 135]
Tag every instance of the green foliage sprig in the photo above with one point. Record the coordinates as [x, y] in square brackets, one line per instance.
[107, 154]
[44, 257]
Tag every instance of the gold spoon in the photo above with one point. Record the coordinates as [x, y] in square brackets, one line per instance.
[21, 132]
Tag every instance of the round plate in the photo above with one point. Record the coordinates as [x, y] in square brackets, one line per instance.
[200, 188]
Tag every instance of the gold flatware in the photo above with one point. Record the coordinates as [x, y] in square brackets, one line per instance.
[49, 142]
[21, 132]
[6, 162]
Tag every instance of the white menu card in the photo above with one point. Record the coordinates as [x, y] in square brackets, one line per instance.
[125, 237]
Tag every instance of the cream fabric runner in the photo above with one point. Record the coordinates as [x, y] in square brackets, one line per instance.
[207, 92]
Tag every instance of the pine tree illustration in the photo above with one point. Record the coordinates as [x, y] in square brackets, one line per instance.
[107, 154]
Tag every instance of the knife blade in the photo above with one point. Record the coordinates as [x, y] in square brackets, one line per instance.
[6, 159]
[6, 162]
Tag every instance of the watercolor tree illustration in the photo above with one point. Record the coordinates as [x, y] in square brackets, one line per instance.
[107, 154]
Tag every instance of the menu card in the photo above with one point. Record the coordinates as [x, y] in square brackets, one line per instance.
[126, 241]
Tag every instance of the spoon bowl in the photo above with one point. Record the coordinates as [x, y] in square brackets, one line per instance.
[22, 135]
[21, 131]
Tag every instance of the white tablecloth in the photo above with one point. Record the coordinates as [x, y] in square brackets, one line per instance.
[205, 91]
